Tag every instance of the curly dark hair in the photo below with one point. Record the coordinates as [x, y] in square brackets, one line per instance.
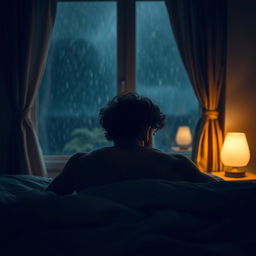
[128, 116]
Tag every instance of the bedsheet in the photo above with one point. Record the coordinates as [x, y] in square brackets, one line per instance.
[136, 217]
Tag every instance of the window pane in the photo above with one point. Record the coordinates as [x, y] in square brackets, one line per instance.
[80, 77]
[160, 72]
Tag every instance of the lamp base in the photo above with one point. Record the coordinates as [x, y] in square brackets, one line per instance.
[235, 173]
[181, 149]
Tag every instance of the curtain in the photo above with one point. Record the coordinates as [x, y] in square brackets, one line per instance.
[26, 26]
[200, 29]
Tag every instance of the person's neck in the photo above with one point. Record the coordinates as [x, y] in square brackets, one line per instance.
[128, 144]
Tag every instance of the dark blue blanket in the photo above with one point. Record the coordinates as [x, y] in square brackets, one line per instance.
[143, 217]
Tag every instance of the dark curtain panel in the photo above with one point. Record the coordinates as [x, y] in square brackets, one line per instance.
[26, 26]
[200, 29]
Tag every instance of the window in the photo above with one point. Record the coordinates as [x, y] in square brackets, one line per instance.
[80, 77]
[97, 51]
[160, 74]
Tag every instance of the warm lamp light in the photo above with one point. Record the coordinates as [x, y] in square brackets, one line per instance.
[235, 153]
[183, 137]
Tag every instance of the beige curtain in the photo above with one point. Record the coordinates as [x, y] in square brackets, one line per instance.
[200, 30]
[26, 29]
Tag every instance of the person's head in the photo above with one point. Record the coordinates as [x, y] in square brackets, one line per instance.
[130, 118]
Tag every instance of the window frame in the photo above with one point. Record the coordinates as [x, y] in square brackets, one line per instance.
[126, 65]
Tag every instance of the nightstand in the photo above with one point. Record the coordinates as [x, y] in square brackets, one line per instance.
[248, 176]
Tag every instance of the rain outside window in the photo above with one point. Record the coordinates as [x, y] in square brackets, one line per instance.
[81, 75]
[161, 75]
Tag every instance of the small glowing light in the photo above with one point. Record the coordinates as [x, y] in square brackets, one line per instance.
[235, 151]
[183, 136]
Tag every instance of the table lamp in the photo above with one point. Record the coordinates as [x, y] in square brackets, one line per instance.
[235, 153]
[183, 137]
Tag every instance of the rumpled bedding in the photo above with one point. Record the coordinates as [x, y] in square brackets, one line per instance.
[12, 186]
[133, 217]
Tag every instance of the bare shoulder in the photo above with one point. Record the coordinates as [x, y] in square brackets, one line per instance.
[184, 162]
[174, 158]
[182, 159]
[191, 170]
[186, 167]
[97, 153]
[94, 157]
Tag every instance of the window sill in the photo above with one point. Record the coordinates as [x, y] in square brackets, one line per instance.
[55, 163]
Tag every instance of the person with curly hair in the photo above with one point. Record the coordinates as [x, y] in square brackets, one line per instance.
[130, 122]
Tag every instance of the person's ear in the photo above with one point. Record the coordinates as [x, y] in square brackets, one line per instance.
[148, 140]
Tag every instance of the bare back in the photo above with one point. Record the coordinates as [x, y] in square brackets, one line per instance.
[113, 164]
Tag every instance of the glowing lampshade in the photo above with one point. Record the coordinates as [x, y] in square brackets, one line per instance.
[183, 136]
[235, 153]
[235, 150]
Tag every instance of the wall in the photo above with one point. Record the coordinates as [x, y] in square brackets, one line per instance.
[241, 73]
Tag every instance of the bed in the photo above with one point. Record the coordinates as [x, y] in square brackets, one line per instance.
[133, 217]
